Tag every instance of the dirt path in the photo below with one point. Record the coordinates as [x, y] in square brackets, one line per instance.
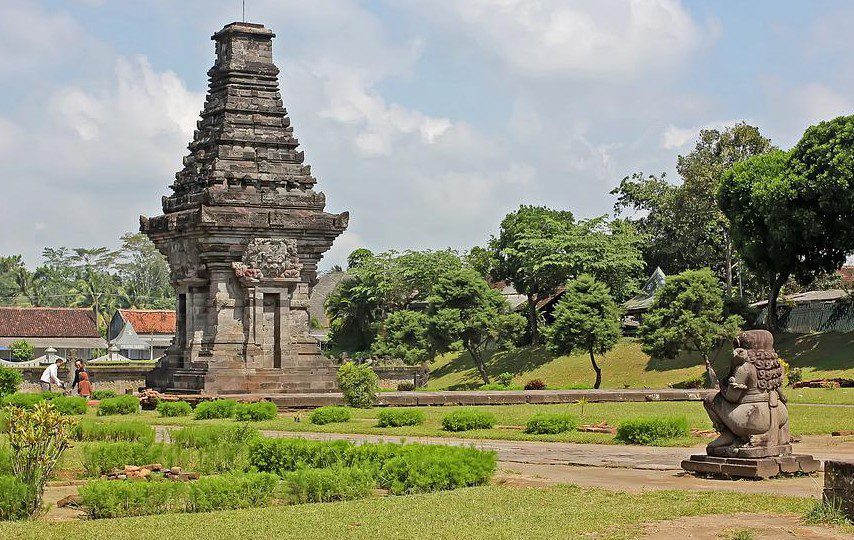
[721, 527]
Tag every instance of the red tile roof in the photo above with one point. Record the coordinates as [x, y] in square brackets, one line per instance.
[48, 322]
[150, 321]
[847, 274]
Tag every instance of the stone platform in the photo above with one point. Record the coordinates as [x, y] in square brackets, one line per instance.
[758, 468]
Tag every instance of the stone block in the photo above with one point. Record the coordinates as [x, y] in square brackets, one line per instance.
[757, 468]
[839, 485]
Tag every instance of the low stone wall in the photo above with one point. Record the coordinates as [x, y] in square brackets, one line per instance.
[391, 376]
[119, 378]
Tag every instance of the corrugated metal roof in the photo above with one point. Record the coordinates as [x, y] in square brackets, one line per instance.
[643, 300]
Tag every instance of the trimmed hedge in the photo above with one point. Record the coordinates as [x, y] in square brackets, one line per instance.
[174, 408]
[212, 435]
[464, 420]
[101, 458]
[15, 498]
[331, 484]
[330, 415]
[551, 424]
[103, 394]
[126, 404]
[652, 430]
[111, 498]
[70, 405]
[125, 430]
[255, 412]
[26, 400]
[400, 417]
[218, 408]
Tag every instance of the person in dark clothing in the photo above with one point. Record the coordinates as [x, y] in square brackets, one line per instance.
[79, 367]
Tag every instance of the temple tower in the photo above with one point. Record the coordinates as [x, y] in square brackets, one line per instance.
[243, 231]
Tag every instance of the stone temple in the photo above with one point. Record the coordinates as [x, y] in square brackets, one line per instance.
[243, 231]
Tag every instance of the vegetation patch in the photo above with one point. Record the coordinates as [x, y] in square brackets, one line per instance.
[10, 380]
[400, 417]
[218, 408]
[255, 412]
[70, 405]
[119, 405]
[211, 435]
[15, 497]
[545, 423]
[464, 420]
[171, 409]
[125, 430]
[104, 394]
[650, 431]
[101, 458]
[329, 484]
[330, 415]
[359, 384]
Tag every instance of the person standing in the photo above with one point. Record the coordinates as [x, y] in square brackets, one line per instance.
[50, 376]
[79, 367]
[84, 387]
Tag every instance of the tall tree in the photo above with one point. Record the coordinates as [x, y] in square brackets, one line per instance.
[144, 273]
[688, 314]
[685, 227]
[585, 319]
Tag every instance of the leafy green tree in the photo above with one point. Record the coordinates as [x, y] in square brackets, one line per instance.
[22, 350]
[144, 273]
[404, 335]
[586, 319]
[10, 267]
[464, 311]
[688, 315]
[482, 260]
[683, 224]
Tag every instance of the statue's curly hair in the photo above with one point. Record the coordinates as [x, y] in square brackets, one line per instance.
[769, 371]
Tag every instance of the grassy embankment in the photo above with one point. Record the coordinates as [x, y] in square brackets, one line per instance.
[627, 366]
[474, 513]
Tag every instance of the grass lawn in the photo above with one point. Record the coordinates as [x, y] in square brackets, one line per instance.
[474, 513]
[806, 420]
[627, 366]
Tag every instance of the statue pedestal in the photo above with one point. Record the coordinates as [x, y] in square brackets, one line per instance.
[751, 451]
[760, 468]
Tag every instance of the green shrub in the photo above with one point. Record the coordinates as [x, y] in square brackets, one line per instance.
[210, 435]
[330, 415]
[545, 423]
[24, 400]
[22, 350]
[218, 408]
[406, 386]
[255, 412]
[215, 458]
[329, 484]
[119, 405]
[423, 468]
[174, 408]
[101, 458]
[15, 497]
[535, 384]
[231, 491]
[400, 417]
[70, 405]
[464, 420]
[10, 380]
[795, 375]
[505, 379]
[359, 384]
[652, 430]
[5, 459]
[112, 498]
[104, 394]
[285, 455]
[125, 430]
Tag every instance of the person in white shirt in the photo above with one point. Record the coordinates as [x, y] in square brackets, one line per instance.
[50, 376]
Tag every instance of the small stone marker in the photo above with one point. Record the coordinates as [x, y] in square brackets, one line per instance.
[839, 485]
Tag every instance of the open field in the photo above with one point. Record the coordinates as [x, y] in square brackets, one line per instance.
[806, 420]
[475, 513]
[818, 355]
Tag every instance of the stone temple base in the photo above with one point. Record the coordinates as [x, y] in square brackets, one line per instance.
[758, 468]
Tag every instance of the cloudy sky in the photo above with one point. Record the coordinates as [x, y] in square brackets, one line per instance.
[427, 119]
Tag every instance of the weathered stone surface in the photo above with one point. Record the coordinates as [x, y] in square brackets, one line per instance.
[243, 231]
[839, 485]
[760, 468]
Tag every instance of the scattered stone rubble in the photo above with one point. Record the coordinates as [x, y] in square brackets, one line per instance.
[133, 472]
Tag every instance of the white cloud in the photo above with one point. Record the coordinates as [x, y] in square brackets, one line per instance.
[31, 36]
[675, 138]
[608, 37]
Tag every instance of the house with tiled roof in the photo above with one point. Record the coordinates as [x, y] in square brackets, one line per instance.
[142, 334]
[52, 331]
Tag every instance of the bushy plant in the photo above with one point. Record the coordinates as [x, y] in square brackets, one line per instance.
[406, 386]
[535, 384]
[70, 405]
[112, 499]
[255, 412]
[330, 415]
[119, 405]
[125, 430]
[24, 400]
[359, 384]
[171, 409]
[400, 417]
[218, 408]
[22, 350]
[285, 455]
[15, 499]
[505, 379]
[5, 459]
[208, 435]
[103, 394]
[37, 439]
[102, 457]
[546, 423]
[10, 380]
[466, 419]
[651, 431]
[424, 468]
[215, 458]
[231, 491]
[329, 484]
[795, 375]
